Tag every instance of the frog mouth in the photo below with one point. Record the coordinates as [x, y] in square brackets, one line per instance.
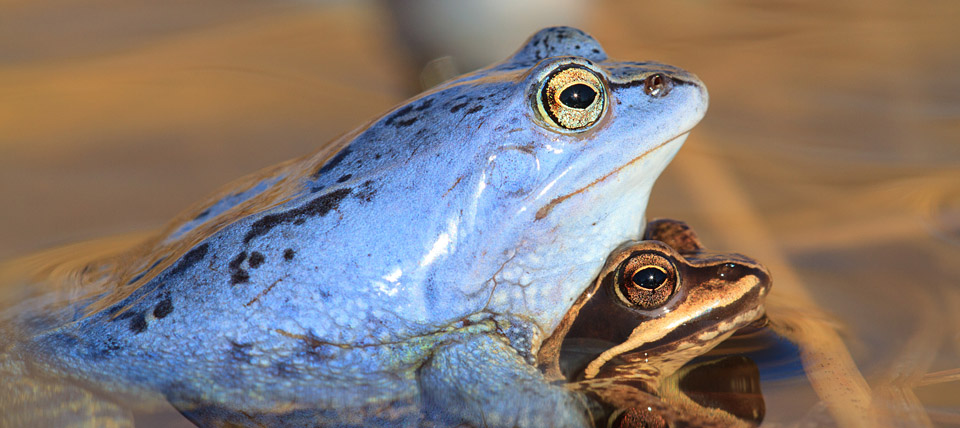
[545, 210]
[703, 330]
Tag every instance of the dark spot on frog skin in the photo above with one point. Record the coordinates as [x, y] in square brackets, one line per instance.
[102, 350]
[367, 191]
[237, 274]
[344, 177]
[457, 107]
[138, 323]
[475, 109]
[191, 258]
[240, 352]
[399, 113]
[285, 370]
[405, 123]
[164, 308]
[239, 277]
[332, 163]
[425, 105]
[394, 119]
[317, 207]
[113, 345]
[238, 260]
[288, 254]
[256, 259]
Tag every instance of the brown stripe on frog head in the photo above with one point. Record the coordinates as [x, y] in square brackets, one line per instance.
[710, 296]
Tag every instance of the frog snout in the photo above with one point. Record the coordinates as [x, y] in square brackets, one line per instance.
[764, 280]
[741, 266]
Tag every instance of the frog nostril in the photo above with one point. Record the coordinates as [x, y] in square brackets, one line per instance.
[727, 269]
[657, 85]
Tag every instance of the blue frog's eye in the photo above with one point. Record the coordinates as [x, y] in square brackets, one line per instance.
[572, 98]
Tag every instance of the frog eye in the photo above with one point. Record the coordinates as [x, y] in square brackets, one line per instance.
[646, 280]
[650, 277]
[572, 98]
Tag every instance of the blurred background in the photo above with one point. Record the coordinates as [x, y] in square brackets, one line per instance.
[831, 150]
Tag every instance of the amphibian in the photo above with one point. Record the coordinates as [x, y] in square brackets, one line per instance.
[418, 260]
[655, 305]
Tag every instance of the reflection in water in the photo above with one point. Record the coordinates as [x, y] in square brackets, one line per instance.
[777, 358]
[730, 384]
[837, 122]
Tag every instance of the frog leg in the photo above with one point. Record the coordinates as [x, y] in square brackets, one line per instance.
[484, 381]
[30, 401]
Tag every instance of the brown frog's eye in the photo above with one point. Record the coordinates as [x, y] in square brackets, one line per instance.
[650, 277]
[572, 98]
[646, 280]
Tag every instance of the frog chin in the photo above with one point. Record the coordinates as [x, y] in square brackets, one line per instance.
[633, 177]
[697, 337]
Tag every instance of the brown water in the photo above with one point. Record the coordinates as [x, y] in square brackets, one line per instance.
[831, 150]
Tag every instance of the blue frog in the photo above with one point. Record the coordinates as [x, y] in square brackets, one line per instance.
[417, 261]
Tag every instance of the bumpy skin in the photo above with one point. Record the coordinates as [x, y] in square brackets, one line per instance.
[386, 268]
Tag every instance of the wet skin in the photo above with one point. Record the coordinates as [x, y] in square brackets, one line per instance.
[657, 304]
[418, 261]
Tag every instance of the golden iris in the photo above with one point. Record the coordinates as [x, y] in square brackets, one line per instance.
[572, 98]
[645, 281]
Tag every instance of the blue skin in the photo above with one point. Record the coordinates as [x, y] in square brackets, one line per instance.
[422, 258]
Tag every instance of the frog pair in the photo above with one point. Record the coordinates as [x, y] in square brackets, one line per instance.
[423, 261]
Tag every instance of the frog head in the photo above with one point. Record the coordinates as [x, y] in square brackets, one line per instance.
[559, 148]
[503, 191]
[657, 304]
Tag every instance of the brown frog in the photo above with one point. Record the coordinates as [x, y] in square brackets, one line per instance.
[657, 304]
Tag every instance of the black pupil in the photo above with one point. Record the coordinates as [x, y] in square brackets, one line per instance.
[649, 278]
[578, 96]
